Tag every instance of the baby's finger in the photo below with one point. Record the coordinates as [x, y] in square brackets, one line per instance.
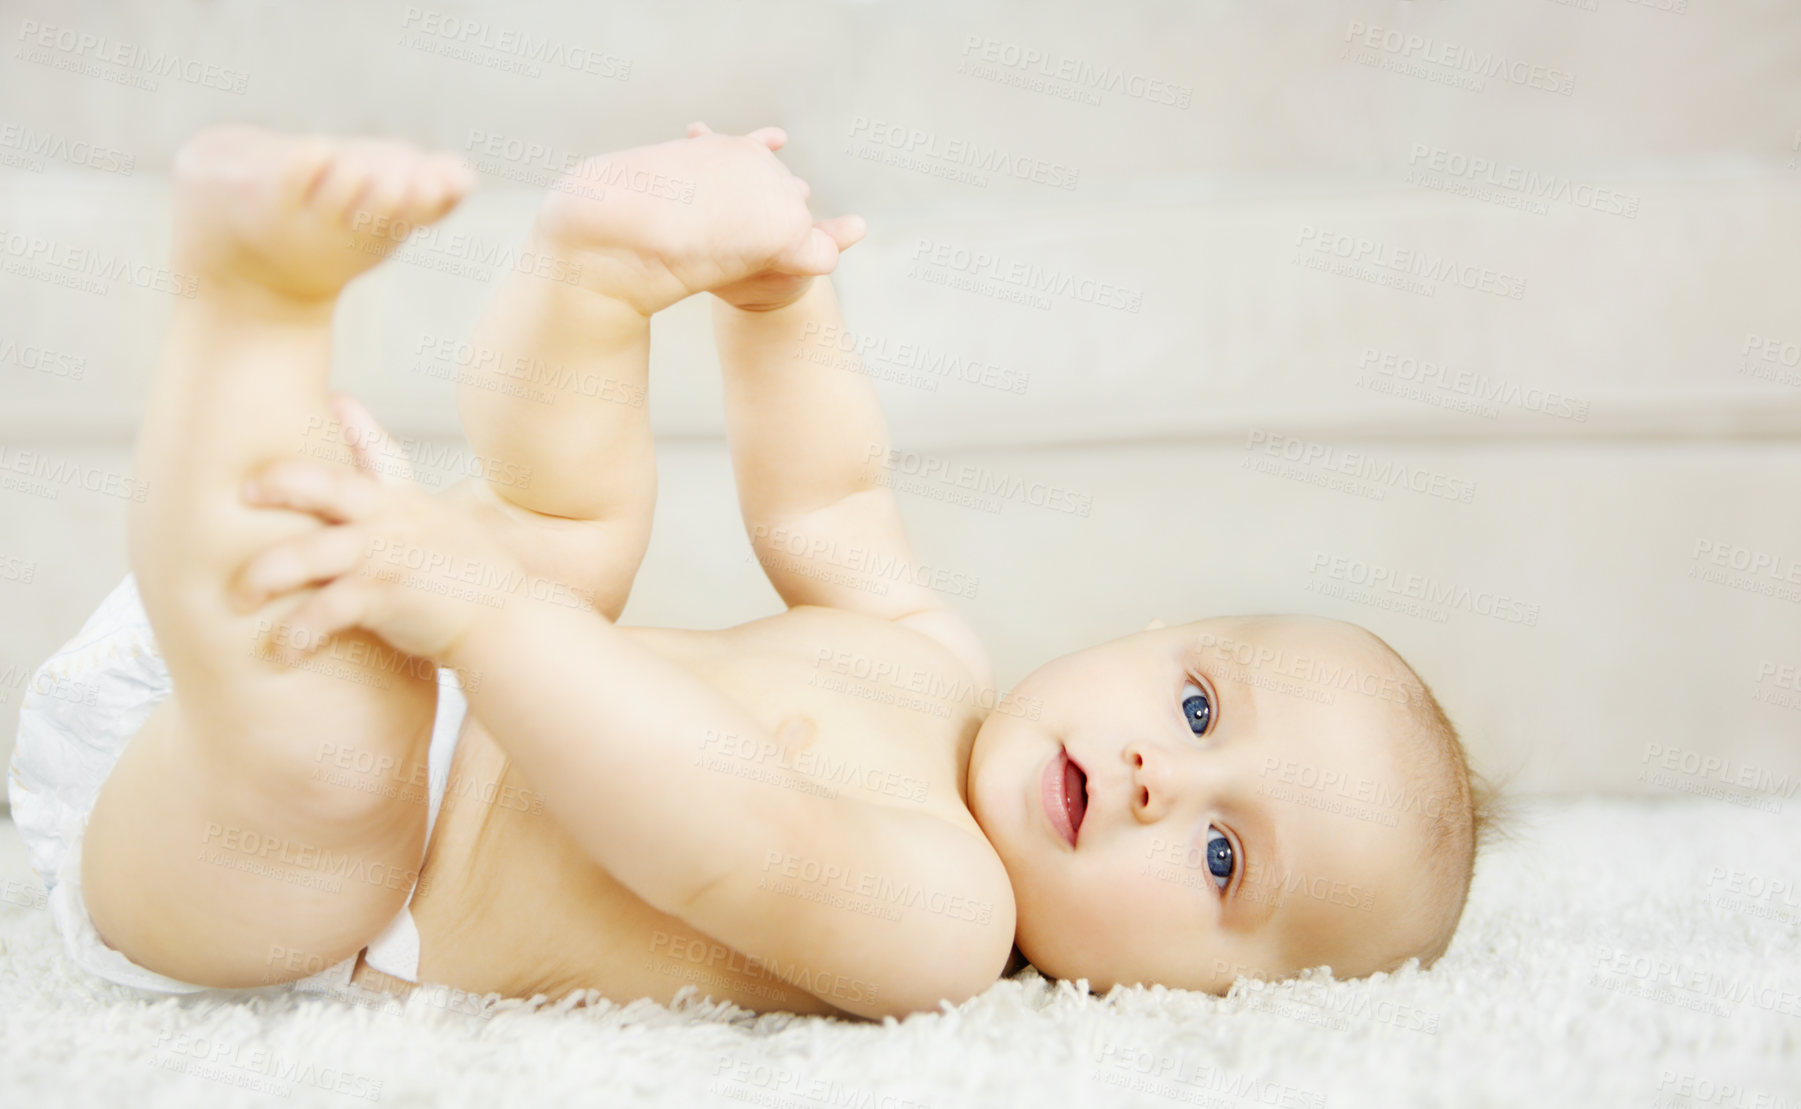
[373, 449]
[338, 607]
[773, 137]
[332, 493]
[307, 559]
[845, 231]
[697, 129]
[800, 186]
[814, 256]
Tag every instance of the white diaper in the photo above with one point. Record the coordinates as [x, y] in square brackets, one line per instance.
[82, 706]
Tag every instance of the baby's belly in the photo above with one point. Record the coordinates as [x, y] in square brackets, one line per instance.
[508, 904]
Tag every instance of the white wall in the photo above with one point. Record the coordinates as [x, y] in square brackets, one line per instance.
[1645, 293]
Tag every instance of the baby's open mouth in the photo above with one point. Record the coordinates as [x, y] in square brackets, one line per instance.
[1065, 790]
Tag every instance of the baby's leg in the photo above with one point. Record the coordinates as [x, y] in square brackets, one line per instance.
[554, 405]
[214, 840]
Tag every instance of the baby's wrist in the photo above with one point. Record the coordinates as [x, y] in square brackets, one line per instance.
[468, 649]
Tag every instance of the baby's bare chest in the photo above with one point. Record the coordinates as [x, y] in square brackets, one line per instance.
[870, 713]
[849, 708]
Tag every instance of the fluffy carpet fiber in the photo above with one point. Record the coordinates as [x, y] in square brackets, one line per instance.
[1615, 952]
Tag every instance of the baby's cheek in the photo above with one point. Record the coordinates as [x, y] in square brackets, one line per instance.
[1159, 886]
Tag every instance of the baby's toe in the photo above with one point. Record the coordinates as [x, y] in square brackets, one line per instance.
[343, 183]
[440, 181]
[309, 160]
[390, 180]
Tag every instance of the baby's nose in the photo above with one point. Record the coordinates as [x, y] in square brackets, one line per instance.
[1148, 775]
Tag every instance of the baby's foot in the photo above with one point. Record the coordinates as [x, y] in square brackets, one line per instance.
[655, 224]
[301, 216]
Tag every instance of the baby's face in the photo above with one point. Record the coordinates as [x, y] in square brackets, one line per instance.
[1164, 819]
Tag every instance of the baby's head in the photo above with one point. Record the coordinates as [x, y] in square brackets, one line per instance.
[1250, 795]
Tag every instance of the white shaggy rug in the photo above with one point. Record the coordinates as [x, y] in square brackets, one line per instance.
[1616, 952]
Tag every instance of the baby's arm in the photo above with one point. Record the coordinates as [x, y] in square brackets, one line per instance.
[808, 445]
[616, 738]
[553, 405]
[554, 397]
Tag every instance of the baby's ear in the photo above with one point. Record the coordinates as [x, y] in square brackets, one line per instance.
[1153, 625]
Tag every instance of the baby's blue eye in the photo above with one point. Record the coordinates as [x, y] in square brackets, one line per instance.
[1220, 859]
[1197, 708]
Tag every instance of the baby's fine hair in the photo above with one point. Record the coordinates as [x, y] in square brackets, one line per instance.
[1460, 807]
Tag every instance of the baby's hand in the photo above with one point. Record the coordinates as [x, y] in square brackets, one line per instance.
[656, 224]
[406, 566]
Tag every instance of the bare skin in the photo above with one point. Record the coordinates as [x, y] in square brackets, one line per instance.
[274, 227]
[240, 762]
[795, 814]
[515, 907]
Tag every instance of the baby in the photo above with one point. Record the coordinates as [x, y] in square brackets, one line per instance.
[383, 737]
